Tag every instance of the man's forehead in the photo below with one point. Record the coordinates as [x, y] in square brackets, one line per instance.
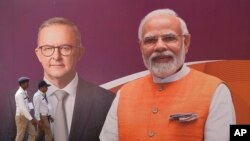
[161, 24]
[56, 34]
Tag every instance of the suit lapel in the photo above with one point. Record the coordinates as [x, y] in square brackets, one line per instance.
[83, 104]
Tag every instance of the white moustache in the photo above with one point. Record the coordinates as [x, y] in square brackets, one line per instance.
[161, 54]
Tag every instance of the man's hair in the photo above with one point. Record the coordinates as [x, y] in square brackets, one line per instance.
[162, 12]
[62, 21]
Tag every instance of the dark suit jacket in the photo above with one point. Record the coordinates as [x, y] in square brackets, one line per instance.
[92, 104]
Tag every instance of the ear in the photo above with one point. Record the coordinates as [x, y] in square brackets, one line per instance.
[38, 54]
[80, 53]
[187, 41]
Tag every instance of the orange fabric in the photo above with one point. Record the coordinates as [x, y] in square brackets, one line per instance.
[236, 73]
[136, 121]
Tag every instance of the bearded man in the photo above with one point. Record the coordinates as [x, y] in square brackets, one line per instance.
[173, 102]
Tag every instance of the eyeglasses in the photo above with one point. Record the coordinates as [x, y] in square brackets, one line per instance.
[169, 40]
[48, 50]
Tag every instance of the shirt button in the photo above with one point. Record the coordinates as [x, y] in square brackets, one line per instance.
[151, 133]
[155, 110]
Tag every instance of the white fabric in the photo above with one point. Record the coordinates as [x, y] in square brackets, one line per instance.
[221, 113]
[22, 104]
[69, 102]
[40, 104]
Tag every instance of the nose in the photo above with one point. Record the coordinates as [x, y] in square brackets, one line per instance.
[160, 46]
[57, 54]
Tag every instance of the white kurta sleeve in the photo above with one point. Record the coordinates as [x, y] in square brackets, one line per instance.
[221, 115]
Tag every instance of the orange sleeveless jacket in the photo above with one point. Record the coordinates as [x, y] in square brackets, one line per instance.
[144, 109]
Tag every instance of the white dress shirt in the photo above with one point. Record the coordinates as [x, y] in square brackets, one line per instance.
[22, 103]
[41, 106]
[221, 113]
[69, 102]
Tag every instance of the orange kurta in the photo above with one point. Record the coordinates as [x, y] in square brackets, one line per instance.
[144, 108]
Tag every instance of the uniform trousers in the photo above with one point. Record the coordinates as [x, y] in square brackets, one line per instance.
[44, 127]
[23, 125]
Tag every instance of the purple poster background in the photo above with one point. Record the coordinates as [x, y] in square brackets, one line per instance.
[219, 29]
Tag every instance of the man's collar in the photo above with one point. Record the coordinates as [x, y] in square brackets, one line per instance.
[69, 88]
[40, 92]
[21, 89]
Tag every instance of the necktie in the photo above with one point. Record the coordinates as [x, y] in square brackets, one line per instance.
[60, 128]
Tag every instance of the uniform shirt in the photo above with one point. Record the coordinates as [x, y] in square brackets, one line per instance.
[221, 112]
[41, 104]
[69, 102]
[22, 101]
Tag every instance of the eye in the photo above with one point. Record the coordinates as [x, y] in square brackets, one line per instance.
[150, 40]
[169, 38]
[47, 48]
[65, 48]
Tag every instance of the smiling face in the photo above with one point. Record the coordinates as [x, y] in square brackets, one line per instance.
[58, 66]
[163, 45]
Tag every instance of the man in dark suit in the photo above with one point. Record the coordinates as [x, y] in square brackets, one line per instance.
[80, 115]
[86, 105]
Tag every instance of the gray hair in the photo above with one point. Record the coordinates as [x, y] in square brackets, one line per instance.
[162, 12]
[62, 21]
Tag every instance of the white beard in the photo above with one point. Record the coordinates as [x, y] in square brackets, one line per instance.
[163, 70]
